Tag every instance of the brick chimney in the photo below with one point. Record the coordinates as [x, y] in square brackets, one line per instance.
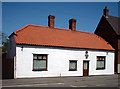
[51, 21]
[72, 24]
[106, 12]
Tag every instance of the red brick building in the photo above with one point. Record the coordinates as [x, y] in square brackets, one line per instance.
[109, 30]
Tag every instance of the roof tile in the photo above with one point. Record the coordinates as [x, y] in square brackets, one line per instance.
[43, 35]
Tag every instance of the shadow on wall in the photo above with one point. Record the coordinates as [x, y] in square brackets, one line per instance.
[7, 67]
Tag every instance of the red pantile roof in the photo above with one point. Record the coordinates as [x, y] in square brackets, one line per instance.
[45, 36]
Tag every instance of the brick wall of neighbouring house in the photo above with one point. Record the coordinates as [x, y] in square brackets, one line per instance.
[119, 56]
[105, 31]
[119, 51]
[7, 67]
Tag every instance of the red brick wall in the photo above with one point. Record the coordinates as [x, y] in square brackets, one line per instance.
[105, 31]
[72, 24]
[51, 21]
[7, 67]
[119, 51]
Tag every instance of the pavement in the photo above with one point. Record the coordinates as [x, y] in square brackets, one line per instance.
[89, 81]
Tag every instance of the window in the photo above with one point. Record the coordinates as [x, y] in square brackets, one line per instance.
[72, 65]
[100, 62]
[39, 62]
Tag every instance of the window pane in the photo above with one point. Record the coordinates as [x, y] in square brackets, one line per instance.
[39, 57]
[36, 66]
[39, 64]
[85, 65]
[34, 56]
[102, 64]
[43, 64]
[98, 64]
[98, 58]
[103, 58]
[72, 65]
[44, 57]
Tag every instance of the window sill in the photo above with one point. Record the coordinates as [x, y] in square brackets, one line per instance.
[72, 70]
[100, 69]
[39, 70]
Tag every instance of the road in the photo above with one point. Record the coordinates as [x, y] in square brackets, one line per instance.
[91, 81]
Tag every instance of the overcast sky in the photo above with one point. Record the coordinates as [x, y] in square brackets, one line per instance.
[18, 14]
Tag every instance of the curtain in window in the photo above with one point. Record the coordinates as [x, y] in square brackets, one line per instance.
[39, 64]
[72, 65]
[100, 64]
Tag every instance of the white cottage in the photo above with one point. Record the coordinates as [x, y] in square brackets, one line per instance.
[41, 51]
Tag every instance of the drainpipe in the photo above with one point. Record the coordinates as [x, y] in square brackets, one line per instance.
[60, 74]
[14, 67]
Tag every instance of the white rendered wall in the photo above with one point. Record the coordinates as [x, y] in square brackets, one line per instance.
[58, 62]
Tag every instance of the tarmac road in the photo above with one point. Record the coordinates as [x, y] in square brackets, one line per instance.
[90, 81]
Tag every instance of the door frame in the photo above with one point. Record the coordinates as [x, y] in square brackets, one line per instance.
[87, 67]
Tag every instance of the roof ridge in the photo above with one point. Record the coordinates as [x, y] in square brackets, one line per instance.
[85, 32]
[22, 28]
[61, 29]
[38, 25]
[114, 16]
[49, 27]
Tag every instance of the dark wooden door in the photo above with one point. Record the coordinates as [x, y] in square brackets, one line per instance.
[85, 68]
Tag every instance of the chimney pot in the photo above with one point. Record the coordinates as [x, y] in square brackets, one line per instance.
[72, 24]
[106, 12]
[51, 21]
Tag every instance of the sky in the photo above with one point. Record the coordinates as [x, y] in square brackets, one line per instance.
[15, 15]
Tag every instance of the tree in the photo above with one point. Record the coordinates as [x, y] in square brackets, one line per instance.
[5, 46]
[4, 42]
[0, 38]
